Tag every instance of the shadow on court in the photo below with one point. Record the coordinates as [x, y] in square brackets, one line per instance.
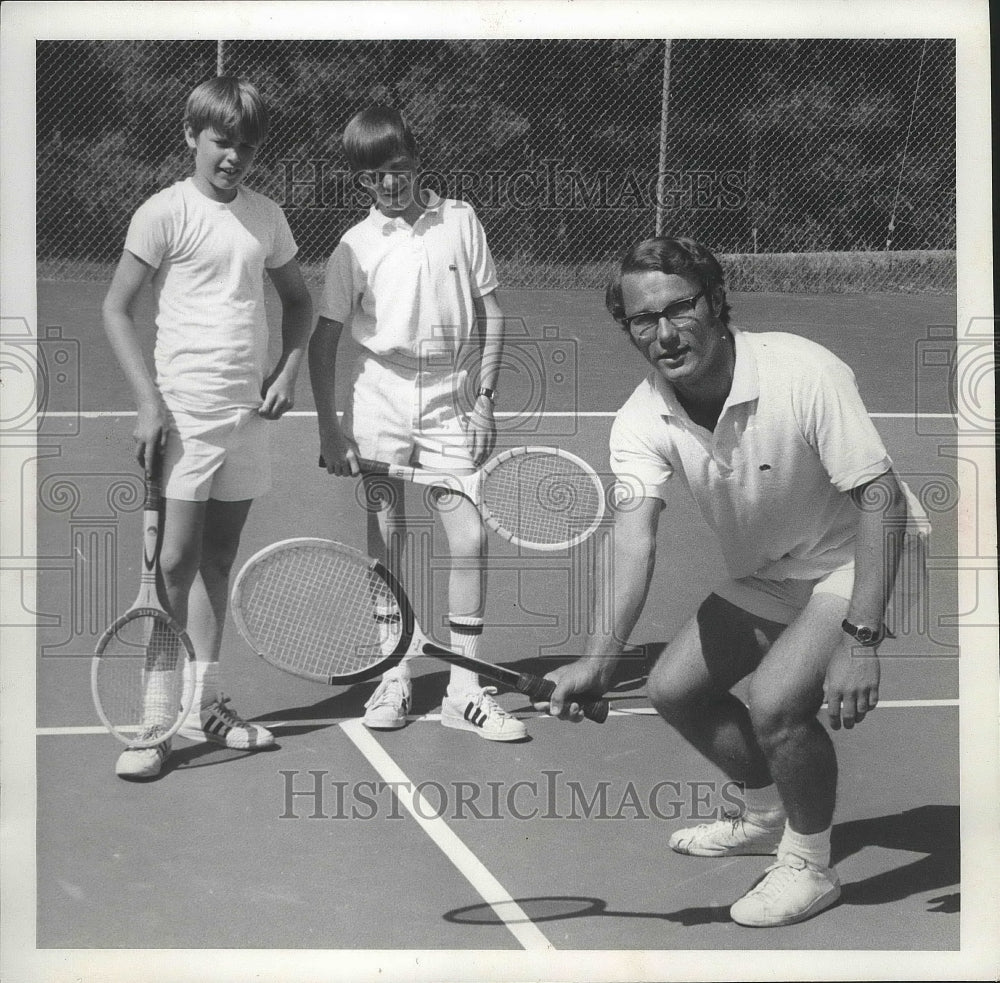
[186, 757]
[932, 830]
[561, 907]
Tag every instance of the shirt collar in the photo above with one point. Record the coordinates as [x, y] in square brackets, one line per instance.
[745, 387]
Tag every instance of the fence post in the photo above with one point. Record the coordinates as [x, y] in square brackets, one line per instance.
[664, 102]
[220, 57]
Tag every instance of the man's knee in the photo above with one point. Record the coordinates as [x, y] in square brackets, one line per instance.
[677, 685]
[668, 692]
[777, 715]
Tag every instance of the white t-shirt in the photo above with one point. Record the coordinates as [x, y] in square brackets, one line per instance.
[210, 257]
[399, 287]
[773, 479]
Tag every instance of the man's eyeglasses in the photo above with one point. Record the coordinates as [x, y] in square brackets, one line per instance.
[680, 314]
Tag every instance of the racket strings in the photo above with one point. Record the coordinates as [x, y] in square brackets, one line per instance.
[320, 613]
[141, 675]
[542, 498]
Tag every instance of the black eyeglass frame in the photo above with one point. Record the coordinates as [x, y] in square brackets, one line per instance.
[688, 315]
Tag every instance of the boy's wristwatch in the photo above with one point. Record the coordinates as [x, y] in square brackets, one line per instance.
[490, 394]
[864, 634]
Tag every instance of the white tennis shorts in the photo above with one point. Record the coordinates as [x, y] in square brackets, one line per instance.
[225, 456]
[402, 411]
[783, 600]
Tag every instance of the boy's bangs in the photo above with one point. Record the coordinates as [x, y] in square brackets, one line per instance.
[245, 124]
[232, 110]
[377, 135]
[374, 148]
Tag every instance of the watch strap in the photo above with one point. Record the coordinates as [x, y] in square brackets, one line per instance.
[864, 634]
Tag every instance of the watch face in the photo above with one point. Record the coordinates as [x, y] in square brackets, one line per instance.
[865, 634]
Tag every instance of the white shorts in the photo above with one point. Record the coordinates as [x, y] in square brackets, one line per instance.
[225, 456]
[784, 600]
[401, 411]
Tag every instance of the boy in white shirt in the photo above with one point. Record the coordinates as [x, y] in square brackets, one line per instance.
[415, 282]
[204, 243]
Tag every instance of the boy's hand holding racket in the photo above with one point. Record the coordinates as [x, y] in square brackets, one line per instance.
[150, 433]
[540, 498]
[481, 431]
[338, 454]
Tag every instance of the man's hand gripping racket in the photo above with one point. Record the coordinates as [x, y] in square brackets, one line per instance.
[573, 686]
[326, 612]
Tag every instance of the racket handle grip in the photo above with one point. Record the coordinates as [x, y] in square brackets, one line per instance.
[541, 689]
[367, 466]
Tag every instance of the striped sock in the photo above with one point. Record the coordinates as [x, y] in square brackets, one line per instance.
[466, 635]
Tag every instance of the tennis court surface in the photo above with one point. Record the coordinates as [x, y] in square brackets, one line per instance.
[431, 839]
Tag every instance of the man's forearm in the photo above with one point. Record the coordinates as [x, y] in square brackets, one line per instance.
[624, 589]
[881, 526]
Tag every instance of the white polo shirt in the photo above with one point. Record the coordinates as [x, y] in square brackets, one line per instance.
[773, 479]
[400, 286]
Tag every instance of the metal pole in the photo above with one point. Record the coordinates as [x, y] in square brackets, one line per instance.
[906, 147]
[664, 102]
[220, 57]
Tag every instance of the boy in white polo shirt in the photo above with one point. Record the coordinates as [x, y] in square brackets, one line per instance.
[416, 284]
[769, 434]
[204, 243]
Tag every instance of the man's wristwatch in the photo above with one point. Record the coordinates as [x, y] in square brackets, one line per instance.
[490, 394]
[864, 634]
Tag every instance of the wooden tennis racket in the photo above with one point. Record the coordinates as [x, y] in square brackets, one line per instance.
[329, 613]
[540, 498]
[142, 673]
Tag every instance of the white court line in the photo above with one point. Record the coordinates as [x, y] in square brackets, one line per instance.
[596, 414]
[468, 864]
[434, 717]
[882, 705]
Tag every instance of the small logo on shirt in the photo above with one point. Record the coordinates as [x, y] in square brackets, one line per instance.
[765, 467]
[452, 267]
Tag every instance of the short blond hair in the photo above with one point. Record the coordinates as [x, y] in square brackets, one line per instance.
[229, 105]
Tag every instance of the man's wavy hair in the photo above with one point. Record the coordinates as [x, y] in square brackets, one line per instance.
[679, 257]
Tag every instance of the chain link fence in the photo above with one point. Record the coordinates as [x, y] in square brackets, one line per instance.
[810, 165]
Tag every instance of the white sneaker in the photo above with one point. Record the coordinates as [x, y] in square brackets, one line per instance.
[479, 712]
[220, 724]
[143, 762]
[790, 891]
[388, 706]
[733, 836]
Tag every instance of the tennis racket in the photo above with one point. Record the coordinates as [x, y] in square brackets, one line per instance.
[541, 498]
[142, 674]
[327, 612]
